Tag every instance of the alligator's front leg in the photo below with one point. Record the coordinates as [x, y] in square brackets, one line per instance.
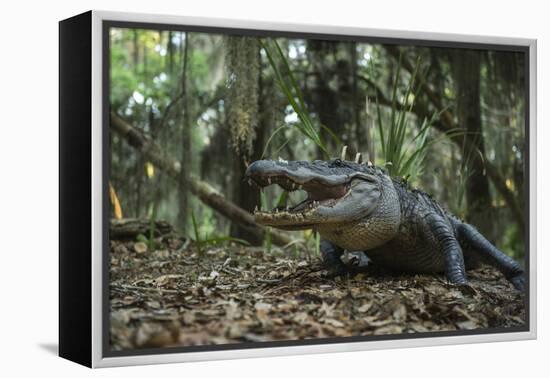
[331, 255]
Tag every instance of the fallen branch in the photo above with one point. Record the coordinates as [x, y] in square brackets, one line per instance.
[204, 191]
[129, 228]
[159, 290]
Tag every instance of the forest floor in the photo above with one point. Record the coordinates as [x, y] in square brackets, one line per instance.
[174, 296]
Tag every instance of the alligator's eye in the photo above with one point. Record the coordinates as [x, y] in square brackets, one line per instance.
[336, 163]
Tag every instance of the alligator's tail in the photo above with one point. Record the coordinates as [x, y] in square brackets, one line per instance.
[471, 238]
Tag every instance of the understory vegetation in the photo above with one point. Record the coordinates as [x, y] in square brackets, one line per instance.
[449, 120]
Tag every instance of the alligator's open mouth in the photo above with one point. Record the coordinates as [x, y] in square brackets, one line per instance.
[337, 192]
[318, 194]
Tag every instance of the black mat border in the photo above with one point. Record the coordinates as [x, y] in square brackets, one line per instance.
[75, 189]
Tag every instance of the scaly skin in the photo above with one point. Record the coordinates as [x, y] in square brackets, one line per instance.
[358, 207]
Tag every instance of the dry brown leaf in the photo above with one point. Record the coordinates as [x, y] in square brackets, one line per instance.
[140, 247]
[334, 322]
[171, 297]
[364, 308]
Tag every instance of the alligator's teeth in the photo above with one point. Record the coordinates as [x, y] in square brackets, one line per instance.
[256, 208]
[293, 186]
[269, 180]
[250, 182]
[276, 210]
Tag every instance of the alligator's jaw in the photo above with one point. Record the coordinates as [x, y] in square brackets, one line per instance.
[304, 214]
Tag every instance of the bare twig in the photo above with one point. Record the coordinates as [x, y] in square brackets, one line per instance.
[143, 288]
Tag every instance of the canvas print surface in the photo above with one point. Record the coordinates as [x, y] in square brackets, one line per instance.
[269, 189]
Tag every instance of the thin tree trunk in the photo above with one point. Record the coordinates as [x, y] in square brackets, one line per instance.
[139, 185]
[185, 143]
[135, 51]
[360, 143]
[369, 131]
[467, 75]
[249, 197]
[243, 68]
[170, 53]
[323, 99]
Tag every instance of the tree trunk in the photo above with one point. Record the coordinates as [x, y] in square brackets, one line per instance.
[467, 76]
[243, 63]
[323, 99]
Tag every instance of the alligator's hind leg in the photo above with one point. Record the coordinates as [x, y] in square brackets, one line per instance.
[331, 254]
[449, 245]
[470, 237]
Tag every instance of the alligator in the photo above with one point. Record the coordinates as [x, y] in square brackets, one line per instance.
[359, 207]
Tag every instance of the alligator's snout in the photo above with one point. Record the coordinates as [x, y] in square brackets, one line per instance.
[261, 167]
[328, 185]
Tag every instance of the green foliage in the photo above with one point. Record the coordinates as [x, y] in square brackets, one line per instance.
[135, 61]
[401, 158]
[267, 235]
[404, 150]
[149, 239]
[513, 243]
[312, 242]
[317, 244]
[463, 175]
[144, 239]
[206, 241]
[292, 91]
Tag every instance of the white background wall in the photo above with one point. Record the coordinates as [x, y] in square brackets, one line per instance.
[29, 189]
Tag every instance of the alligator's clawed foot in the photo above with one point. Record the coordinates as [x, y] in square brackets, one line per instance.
[519, 282]
[334, 271]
